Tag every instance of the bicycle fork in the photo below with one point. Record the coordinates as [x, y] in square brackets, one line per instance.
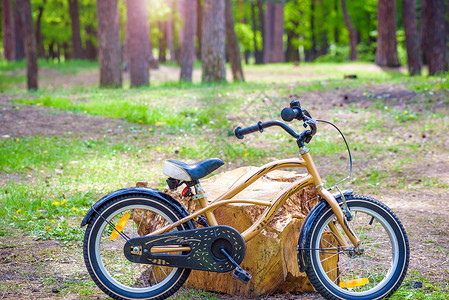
[341, 220]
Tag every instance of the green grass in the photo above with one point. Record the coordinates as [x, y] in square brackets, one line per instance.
[56, 179]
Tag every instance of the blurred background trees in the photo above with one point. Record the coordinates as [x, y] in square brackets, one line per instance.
[388, 32]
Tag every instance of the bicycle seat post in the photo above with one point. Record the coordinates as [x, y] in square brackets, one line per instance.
[201, 196]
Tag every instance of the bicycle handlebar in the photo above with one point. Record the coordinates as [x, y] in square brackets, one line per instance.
[240, 132]
[288, 114]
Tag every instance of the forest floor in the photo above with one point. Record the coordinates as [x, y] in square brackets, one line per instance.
[398, 130]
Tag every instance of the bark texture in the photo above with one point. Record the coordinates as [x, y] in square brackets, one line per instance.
[199, 25]
[213, 44]
[91, 49]
[414, 59]
[187, 35]
[169, 32]
[9, 45]
[386, 51]
[77, 48]
[19, 33]
[273, 43]
[109, 50]
[258, 53]
[433, 32]
[351, 29]
[39, 37]
[232, 44]
[162, 42]
[262, 23]
[292, 53]
[30, 43]
[138, 46]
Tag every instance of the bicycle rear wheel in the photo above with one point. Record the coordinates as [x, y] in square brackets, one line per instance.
[120, 220]
[373, 272]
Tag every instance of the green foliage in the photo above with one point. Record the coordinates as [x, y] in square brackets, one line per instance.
[245, 35]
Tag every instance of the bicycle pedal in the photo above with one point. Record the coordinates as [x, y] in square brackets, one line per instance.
[242, 275]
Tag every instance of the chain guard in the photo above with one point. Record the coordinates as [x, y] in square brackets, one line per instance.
[205, 244]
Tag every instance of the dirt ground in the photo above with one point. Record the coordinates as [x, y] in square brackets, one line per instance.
[42, 269]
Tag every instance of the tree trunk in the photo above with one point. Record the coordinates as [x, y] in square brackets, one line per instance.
[258, 54]
[271, 256]
[91, 50]
[351, 29]
[138, 46]
[170, 31]
[19, 33]
[9, 45]
[386, 51]
[187, 38]
[39, 38]
[323, 42]
[273, 42]
[232, 44]
[213, 44]
[314, 49]
[262, 28]
[414, 59]
[292, 53]
[433, 16]
[109, 50]
[199, 26]
[30, 43]
[77, 48]
[162, 42]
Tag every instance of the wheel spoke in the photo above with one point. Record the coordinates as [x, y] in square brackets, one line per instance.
[359, 271]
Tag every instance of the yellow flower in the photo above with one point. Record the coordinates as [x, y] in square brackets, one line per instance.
[55, 203]
[397, 117]
[17, 140]
[74, 208]
[18, 211]
[411, 116]
[150, 129]
[246, 154]
[64, 202]
[83, 212]
[405, 112]
[437, 85]
[158, 149]
[140, 121]
[47, 228]
[59, 225]
[52, 220]
[15, 217]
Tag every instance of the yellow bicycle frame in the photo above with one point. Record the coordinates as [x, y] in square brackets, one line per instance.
[311, 179]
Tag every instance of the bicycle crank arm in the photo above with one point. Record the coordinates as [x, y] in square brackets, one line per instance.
[198, 249]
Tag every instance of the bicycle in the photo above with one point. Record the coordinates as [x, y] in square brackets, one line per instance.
[140, 243]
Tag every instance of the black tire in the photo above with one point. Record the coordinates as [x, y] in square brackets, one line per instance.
[384, 261]
[104, 258]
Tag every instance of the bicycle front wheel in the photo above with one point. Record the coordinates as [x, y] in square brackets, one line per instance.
[118, 221]
[375, 270]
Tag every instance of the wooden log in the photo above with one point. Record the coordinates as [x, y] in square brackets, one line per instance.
[271, 256]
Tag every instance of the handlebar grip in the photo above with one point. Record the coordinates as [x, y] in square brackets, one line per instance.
[288, 114]
[240, 132]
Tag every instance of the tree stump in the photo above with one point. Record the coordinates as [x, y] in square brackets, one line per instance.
[271, 256]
